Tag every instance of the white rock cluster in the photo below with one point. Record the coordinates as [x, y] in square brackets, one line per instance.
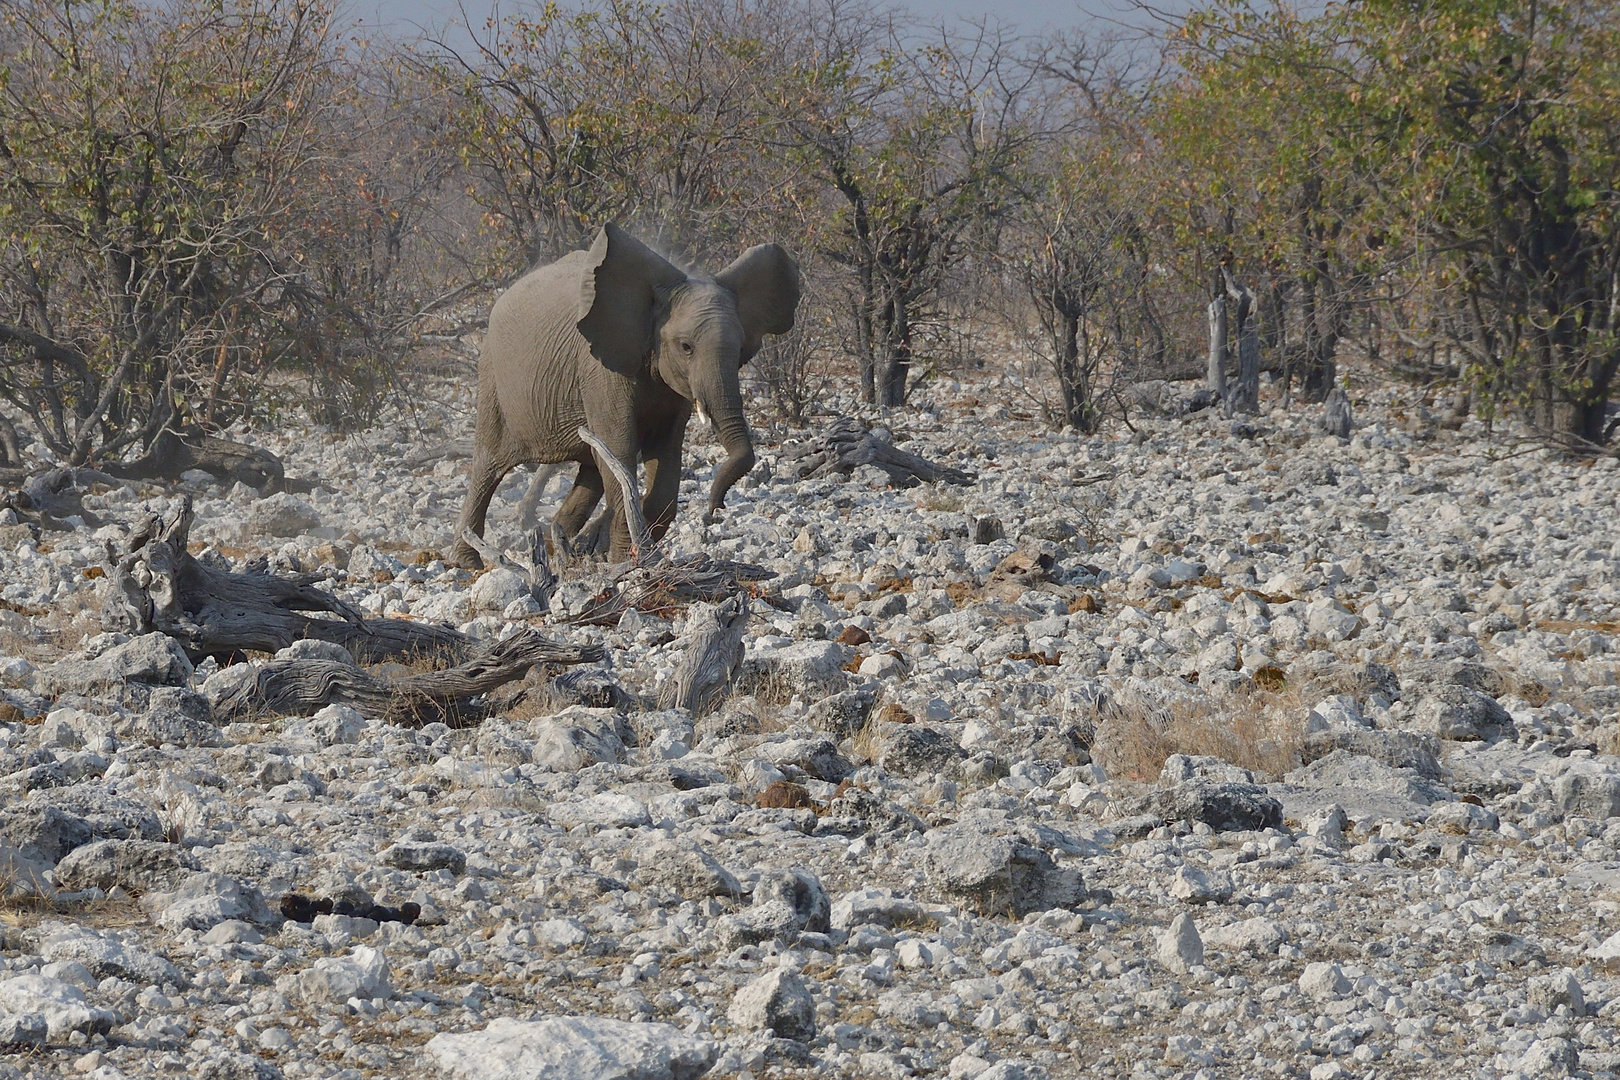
[1232, 750]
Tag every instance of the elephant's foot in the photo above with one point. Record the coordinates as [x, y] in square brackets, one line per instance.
[462, 555]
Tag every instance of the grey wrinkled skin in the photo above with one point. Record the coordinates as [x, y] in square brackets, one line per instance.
[619, 340]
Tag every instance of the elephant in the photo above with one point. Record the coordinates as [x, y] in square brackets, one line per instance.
[618, 339]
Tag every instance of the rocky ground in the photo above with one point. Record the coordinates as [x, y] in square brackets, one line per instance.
[1200, 749]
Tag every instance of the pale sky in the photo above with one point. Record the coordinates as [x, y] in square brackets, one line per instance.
[403, 16]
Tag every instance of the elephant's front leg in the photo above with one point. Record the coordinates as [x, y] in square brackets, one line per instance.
[580, 500]
[487, 470]
[661, 450]
[614, 423]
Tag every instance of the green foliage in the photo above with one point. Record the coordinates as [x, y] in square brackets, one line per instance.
[179, 217]
[1445, 168]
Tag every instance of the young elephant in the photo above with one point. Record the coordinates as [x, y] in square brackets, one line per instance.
[617, 339]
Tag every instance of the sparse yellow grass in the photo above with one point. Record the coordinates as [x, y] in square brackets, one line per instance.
[939, 500]
[1258, 730]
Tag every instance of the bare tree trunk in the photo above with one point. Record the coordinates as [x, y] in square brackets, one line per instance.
[897, 355]
[1246, 396]
[1216, 379]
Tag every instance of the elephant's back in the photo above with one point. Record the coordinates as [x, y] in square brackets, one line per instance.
[530, 358]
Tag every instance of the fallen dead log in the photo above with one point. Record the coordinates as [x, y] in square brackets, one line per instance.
[709, 666]
[660, 590]
[446, 696]
[158, 586]
[49, 498]
[848, 444]
[173, 453]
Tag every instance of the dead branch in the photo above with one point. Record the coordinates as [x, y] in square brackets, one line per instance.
[157, 585]
[301, 686]
[662, 589]
[641, 546]
[848, 444]
[172, 453]
[533, 568]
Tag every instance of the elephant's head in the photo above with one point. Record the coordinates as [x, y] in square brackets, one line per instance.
[636, 308]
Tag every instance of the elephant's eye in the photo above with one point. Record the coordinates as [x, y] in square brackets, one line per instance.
[686, 347]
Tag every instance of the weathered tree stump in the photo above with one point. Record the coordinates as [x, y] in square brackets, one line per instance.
[1336, 418]
[1245, 395]
[709, 666]
[848, 444]
[301, 686]
[158, 586]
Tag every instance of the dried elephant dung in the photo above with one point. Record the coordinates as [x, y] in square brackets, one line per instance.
[300, 686]
[848, 444]
[158, 586]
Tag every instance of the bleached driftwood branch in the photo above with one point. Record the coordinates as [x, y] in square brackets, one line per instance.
[630, 495]
[848, 444]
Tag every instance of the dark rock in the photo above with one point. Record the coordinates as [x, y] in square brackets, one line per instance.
[1220, 806]
[914, 750]
[303, 909]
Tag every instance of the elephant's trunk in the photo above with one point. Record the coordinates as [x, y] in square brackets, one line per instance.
[723, 403]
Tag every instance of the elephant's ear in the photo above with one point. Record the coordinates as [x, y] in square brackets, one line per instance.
[766, 282]
[616, 296]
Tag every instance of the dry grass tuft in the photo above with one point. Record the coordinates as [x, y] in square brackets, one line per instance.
[895, 713]
[939, 500]
[784, 795]
[1259, 731]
